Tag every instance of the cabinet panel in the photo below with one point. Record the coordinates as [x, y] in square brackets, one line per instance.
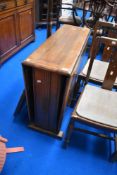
[26, 24]
[55, 89]
[46, 98]
[16, 26]
[41, 97]
[8, 34]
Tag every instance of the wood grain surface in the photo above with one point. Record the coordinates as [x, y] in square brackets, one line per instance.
[61, 51]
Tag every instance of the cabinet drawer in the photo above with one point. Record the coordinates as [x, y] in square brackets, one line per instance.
[23, 2]
[4, 5]
[29, 1]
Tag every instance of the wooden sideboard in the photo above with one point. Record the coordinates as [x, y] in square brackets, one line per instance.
[16, 26]
[49, 74]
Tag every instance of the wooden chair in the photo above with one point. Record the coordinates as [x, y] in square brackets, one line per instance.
[97, 107]
[112, 4]
[96, 8]
[72, 19]
[98, 70]
[99, 9]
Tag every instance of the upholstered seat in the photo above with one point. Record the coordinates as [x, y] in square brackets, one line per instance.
[98, 70]
[67, 14]
[98, 105]
[70, 20]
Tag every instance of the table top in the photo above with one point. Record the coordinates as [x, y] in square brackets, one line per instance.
[61, 51]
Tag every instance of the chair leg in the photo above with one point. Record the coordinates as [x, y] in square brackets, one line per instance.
[113, 157]
[69, 132]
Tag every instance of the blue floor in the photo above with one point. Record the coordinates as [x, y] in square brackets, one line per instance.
[44, 155]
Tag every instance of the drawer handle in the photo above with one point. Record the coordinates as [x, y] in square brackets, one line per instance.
[3, 6]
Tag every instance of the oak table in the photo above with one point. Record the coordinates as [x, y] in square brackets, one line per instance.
[49, 75]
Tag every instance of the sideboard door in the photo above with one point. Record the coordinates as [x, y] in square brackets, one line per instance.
[8, 34]
[26, 24]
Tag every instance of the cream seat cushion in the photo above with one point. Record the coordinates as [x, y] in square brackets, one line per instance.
[98, 71]
[69, 19]
[99, 105]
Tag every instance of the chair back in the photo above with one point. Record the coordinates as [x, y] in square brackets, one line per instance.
[108, 29]
[111, 73]
[97, 9]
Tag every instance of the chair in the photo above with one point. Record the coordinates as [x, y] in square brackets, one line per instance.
[72, 19]
[99, 9]
[98, 70]
[112, 10]
[97, 107]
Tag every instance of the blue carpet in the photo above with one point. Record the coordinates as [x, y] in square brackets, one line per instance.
[44, 155]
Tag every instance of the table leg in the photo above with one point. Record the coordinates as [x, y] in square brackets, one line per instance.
[20, 103]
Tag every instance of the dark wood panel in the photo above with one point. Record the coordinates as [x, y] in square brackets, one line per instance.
[41, 11]
[16, 26]
[25, 24]
[55, 93]
[8, 34]
[41, 97]
[47, 91]
[28, 76]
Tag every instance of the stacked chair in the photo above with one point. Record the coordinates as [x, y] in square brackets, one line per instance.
[97, 106]
[72, 19]
[113, 10]
[99, 9]
[98, 70]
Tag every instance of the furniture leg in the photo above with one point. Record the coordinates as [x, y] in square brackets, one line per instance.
[77, 87]
[113, 157]
[69, 132]
[75, 92]
[20, 103]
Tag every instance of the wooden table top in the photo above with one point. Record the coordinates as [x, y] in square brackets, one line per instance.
[61, 51]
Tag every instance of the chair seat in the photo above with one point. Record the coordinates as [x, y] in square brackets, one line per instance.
[98, 105]
[70, 20]
[98, 71]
